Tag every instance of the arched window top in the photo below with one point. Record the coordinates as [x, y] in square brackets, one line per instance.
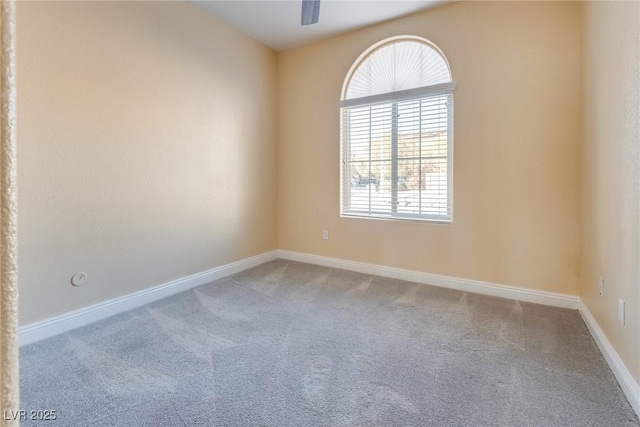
[396, 64]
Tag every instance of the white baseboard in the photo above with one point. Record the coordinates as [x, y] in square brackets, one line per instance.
[65, 322]
[628, 384]
[466, 285]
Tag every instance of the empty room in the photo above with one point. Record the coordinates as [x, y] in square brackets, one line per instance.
[320, 213]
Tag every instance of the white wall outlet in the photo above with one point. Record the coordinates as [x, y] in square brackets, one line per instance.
[79, 278]
[601, 286]
[325, 234]
[621, 310]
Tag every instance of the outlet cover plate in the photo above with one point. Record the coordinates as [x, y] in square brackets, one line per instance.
[601, 286]
[621, 310]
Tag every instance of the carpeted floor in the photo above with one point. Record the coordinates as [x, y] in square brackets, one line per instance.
[291, 344]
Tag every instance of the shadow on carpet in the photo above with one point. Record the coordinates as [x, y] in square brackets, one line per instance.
[292, 344]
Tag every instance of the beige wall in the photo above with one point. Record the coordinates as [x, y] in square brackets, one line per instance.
[517, 132]
[611, 172]
[147, 149]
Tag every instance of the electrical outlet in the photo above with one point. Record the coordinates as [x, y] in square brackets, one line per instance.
[325, 234]
[601, 286]
[621, 310]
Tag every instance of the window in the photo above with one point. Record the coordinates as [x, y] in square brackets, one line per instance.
[397, 133]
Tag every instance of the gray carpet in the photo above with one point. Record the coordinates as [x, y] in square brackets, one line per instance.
[291, 344]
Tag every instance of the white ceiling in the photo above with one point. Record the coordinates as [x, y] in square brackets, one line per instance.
[276, 23]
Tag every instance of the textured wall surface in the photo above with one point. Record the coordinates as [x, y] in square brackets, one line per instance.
[517, 133]
[611, 172]
[148, 152]
[147, 148]
[9, 383]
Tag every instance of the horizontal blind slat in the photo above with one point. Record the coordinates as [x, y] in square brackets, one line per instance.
[422, 181]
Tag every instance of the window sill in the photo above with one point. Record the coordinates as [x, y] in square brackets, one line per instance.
[437, 221]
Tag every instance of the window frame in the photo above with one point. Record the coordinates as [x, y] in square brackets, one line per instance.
[394, 98]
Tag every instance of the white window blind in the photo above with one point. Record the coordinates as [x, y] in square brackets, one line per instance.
[397, 65]
[397, 145]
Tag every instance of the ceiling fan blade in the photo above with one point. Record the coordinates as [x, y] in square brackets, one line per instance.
[310, 11]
